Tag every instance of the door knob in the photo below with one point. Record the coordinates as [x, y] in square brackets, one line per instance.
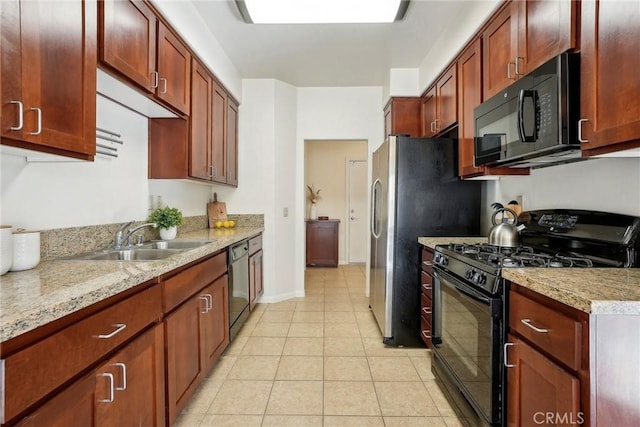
[353, 218]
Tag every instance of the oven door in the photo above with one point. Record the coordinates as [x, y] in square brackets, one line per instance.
[467, 336]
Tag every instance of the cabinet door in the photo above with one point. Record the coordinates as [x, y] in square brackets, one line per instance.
[536, 387]
[469, 97]
[232, 142]
[387, 121]
[74, 406]
[218, 143]
[259, 274]
[610, 87]
[500, 49]
[130, 386]
[255, 278]
[200, 122]
[215, 320]
[128, 40]
[429, 113]
[546, 29]
[174, 70]
[322, 243]
[184, 353]
[57, 57]
[447, 99]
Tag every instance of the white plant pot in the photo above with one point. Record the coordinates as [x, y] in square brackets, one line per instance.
[168, 233]
[313, 214]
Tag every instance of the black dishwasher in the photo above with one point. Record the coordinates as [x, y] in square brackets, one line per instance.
[238, 286]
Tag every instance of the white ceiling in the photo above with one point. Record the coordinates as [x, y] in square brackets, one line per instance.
[329, 54]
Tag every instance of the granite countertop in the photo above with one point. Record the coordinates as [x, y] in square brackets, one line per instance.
[56, 288]
[592, 290]
[431, 242]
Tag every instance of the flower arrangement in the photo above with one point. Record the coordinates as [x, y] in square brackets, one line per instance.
[166, 217]
[314, 195]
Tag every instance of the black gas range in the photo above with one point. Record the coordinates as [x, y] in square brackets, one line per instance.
[468, 320]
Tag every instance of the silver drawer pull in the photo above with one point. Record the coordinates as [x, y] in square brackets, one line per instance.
[20, 115]
[209, 298]
[111, 390]
[426, 334]
[580, 137]
[119, 328]
[206, 304]
[429, 263]
[124, 376]
[528, 323]
[426, 310]
[426, 287]
[504, 349]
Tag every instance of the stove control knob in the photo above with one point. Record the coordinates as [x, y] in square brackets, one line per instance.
[436, 258]
[482, 279]
[445, 260]
[469, 274]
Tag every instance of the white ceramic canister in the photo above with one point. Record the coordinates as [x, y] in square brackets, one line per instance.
[26, 249]
[6, 248]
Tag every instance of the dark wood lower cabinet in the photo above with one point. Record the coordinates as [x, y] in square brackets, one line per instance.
[540, 391]
[322, 243]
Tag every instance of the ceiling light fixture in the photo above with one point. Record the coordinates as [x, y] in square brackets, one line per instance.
[321, 11]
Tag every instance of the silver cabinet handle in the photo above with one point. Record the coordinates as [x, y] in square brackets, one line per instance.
[426, 335]
[580, 138]
[426, 310]
[163, 80]
[509, 76]
[435, 125]
[206, 304]
[212, 169]
[528, 323]
[518, 59]
[119, 328]
[426, 287]
[39, 125]
[124, 376]
[154, 79]
[504, 350]
[20, 115]
[209, 298]
[428, 263]
[111, 390]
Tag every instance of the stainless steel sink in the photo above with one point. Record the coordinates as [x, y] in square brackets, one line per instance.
[128, 255]
[176, 244]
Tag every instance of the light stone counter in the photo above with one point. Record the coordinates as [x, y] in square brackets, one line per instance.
[431, 242]
[56, 288]
[592, 290]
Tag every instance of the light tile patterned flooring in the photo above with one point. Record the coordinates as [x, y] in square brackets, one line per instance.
[320, 361]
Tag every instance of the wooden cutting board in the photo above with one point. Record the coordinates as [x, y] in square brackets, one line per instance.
[217, 211]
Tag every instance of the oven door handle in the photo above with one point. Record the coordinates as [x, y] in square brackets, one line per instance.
[468, 292]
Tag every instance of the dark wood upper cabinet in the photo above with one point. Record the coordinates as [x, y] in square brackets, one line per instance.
[500, 49]
[200, 122]
[48, 76]
[447, 99]
[524, 35]
[128, 40]
[610, 87]
[130, 37]
[218, 160]
[429, 112]
[174, 70]
[232, 142]
[469, 97]
[402, 117]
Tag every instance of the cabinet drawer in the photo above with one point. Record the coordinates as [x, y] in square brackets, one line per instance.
[425, 331]
[558, 335]
[32, 373]
[427, 261]
[425, 307]
[255, 244]
[180, 287]
[426, 283]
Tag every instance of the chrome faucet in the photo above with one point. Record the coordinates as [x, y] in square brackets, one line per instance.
[123, 238]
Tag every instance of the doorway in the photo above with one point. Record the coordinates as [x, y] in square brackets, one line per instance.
[325, 170]
[356, 211]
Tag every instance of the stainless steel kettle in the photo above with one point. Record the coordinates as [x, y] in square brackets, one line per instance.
[505, 234]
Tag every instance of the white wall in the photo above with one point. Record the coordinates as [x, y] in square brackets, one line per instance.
[610, 185]
[333, 113]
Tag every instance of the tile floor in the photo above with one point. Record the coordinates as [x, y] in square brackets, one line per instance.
[320, 361]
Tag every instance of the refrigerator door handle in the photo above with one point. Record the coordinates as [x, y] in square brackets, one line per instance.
[374, 208]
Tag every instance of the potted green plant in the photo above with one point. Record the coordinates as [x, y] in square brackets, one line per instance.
[168, 219]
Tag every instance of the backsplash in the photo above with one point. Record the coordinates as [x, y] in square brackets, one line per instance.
[64, 242]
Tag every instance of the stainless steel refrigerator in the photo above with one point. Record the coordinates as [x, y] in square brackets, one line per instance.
[415, 192]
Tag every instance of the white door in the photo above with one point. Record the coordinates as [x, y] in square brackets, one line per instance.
[357, 211]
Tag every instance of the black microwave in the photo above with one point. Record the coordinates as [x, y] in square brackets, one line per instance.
[534, 121]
